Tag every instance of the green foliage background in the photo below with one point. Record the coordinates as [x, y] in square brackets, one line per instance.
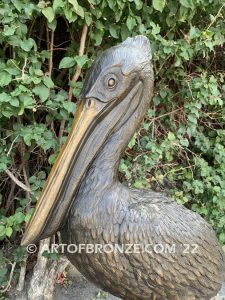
[180, 147]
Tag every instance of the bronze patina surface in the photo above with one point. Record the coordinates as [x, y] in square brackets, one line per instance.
[84, 199]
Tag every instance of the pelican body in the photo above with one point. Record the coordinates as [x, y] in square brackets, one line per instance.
[85, 201]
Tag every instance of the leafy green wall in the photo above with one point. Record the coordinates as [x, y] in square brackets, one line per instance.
[46, 48]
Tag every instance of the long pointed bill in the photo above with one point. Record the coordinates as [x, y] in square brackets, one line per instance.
[87, 135]
[54, 186]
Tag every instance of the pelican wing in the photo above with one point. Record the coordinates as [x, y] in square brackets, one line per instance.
[180, 251]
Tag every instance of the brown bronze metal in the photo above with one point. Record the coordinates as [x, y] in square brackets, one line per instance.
[84, 199]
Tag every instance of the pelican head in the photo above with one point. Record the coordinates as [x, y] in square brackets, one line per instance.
[118, 85]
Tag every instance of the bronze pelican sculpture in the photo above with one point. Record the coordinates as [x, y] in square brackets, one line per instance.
[85, 201]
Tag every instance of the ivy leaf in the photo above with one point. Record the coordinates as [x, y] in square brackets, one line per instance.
[48, 82]
[132, 141]
[139, 184]
[8, 231]
[159, 4]
[27, 218]
[88, 18]
[15, 102]
[171, 136]
[192, 118]
[69, 106]
[67, 62]
[184, 142]
[97, 37]
[113, 30]
[187, 3]
[27, 44]
[3, 166]
[194, 32]
[155, 28]
[69, 14]
[9, 30]
[49, 13]
[52, 25]
[27, 100]
[19, 217]
[42, 91]
[52, 159]
[41, 4]
[5, 97]
[111, 4]
[18, 5]
[131, 22]
[38, 72]
[2, 230]
[57, 4]
[222, 237]
[81, 60]
[5, 78]
[139, 4]
[7, 113]
[77, 8]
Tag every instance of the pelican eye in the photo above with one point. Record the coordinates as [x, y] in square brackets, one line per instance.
[90, 103]
[111, 82]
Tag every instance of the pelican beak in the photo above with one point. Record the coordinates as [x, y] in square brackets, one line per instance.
[58, 193]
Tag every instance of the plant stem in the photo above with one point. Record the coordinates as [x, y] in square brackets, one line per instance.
[76, 75]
